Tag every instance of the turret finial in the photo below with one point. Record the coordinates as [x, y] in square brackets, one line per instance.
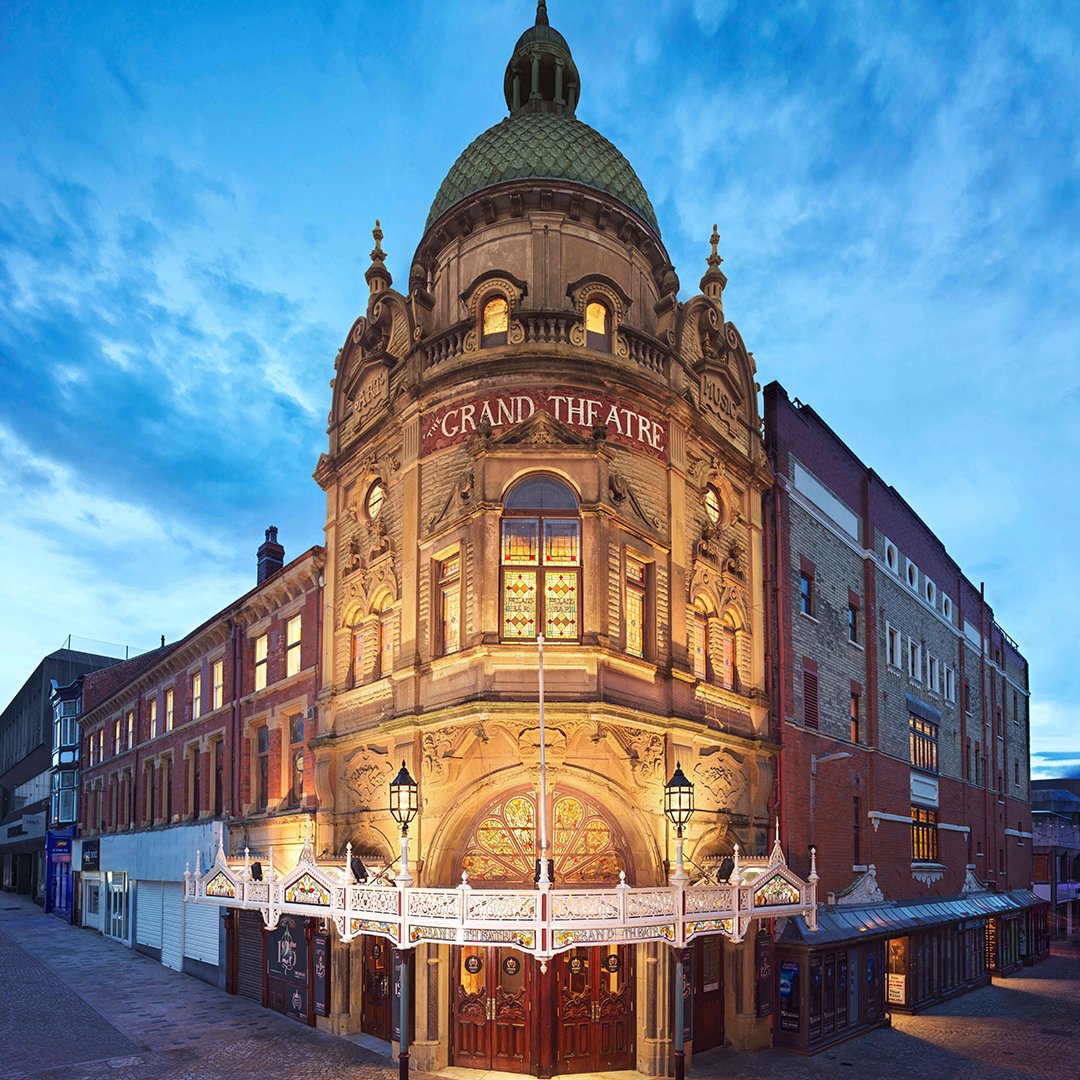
[712, 284]
[377, 276]
[541, 14]
[714, 259]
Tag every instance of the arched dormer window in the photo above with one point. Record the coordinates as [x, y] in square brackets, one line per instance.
[494, 322]
[540, 563]
[598, 326]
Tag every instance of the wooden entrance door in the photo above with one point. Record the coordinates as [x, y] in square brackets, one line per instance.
[708, 993]
[376, 1000]
[492, 1009]
[594, 1007]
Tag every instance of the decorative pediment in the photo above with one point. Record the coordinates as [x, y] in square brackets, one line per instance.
[541, 429]
[779, 889]
[863, 890]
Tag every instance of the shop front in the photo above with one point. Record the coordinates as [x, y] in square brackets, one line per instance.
[59, 875]
[863, 963]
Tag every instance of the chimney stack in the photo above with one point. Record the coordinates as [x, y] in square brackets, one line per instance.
[271, 555]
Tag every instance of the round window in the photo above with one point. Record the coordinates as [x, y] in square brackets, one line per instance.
[376, 496]
[712, 504]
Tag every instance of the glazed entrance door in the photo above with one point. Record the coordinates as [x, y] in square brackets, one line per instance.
[595, 1009]
[491, 1009]
[376, 998]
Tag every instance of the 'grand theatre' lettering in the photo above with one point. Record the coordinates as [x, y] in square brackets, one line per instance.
[585, 412]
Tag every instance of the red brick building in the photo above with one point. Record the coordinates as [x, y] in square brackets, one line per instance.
[214, 728]
[902, 710]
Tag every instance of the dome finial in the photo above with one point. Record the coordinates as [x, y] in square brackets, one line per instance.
[541, 14]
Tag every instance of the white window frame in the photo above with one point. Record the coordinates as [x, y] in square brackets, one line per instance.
[930, 592]
[950, 683]
[946, 606]
[293, 645]
[218, 691]
[914, 659]
[195, 690]
[892, 655]
[892, 556]
[910, 571]
[933, 673]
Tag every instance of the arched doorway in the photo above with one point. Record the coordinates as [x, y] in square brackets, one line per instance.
[578, 1016]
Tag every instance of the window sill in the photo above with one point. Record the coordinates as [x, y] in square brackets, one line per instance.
[856, 645]
[809, 618]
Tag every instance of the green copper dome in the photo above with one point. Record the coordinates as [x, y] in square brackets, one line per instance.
[543, 146]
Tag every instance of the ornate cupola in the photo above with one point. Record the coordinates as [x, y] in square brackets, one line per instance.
[541, 75]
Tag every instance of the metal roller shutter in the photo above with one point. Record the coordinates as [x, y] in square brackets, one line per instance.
[202, 925]
[148, 913]
[250, 956]
[172, 925]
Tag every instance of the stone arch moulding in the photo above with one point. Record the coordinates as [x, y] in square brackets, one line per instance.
[599, 287]
[484, 287]
[701, 322]
[634, 842]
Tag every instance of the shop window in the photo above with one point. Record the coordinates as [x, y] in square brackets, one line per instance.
[923, 743]
[924, 833]
[261, 654]
[262, 767]
[296, 760]
[598, 326]
[293, 629]
[636, 613]
[448, 575]
[540, 574]
[169, 699]
[196, 696]
[219, 683]
[495, 322]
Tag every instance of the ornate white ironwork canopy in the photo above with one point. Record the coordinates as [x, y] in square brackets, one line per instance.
[542, 921]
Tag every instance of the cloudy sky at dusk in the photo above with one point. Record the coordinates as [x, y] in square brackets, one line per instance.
[186, 198]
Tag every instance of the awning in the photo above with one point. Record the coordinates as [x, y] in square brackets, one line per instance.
[845, 924]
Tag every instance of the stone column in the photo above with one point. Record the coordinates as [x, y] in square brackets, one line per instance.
[654, 1009]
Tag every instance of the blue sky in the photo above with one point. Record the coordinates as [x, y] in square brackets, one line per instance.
[186, 198]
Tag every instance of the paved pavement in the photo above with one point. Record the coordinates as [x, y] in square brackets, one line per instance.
[76, 1005]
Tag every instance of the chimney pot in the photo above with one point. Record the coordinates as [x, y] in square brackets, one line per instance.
[271, 555]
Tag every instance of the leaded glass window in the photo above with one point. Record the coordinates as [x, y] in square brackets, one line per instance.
[541, 562]
[503, 846]
[635, 607]
[450, 603]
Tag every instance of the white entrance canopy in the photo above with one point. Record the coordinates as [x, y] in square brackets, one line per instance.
[542, 921]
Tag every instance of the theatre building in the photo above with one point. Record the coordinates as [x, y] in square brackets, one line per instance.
[538, 437]
[903, 711]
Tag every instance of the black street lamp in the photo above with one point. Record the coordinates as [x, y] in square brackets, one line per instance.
[403, 806]
[679, 806]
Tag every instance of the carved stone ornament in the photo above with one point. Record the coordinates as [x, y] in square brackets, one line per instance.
[462, 491]
[971, 883]
[365, 773]
[863, 890]
[644, 751]
[437, 747]
[721, 777]
[612, 295]
[928, 874]
[483, 289]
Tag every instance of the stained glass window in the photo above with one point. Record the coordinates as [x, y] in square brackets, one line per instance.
[450, 603]
[503, 846]
[548, 597]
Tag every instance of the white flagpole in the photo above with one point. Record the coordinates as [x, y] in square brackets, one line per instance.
[544, 880]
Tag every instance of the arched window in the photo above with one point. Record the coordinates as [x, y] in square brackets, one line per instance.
[384, 628]
[494, 321]
[728, 642]
[540, 574]
[356, 652]
[700, 644]
[598, 326]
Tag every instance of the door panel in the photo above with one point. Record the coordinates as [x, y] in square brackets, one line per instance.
[594, 1008]
[376, 1000]
[708, 994]
[471, 1043]
[492, 1009]
[508, 979]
